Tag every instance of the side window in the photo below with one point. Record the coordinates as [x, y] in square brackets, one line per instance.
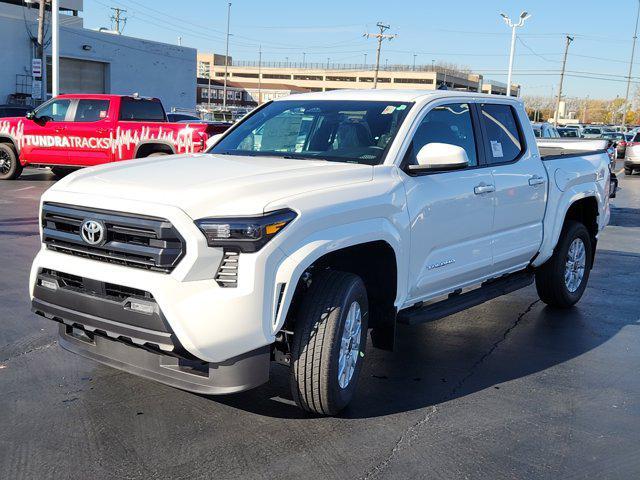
[91, 110]
[503, 142]
[445, 124]
[54, 111]
[141, 110]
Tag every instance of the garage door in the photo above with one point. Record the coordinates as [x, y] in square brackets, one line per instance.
[80, 76]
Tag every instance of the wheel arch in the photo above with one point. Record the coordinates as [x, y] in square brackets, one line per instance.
[376, 260]
[145, 148]
[10, 140]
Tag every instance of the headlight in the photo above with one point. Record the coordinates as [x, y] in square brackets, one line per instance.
[247, 234]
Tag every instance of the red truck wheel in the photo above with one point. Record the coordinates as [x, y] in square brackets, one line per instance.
[10, 167]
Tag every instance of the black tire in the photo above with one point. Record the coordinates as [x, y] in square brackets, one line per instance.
[61, 172]
[628, 171]
[317, 337]
[550, 277]
[10, 167]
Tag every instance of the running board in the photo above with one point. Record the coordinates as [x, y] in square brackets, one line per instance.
[457, 302]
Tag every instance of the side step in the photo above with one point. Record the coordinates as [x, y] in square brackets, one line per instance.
[457, 302]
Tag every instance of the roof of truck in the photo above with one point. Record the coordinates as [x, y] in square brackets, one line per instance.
[388, 95]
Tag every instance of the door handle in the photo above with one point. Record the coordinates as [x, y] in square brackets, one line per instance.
[536, 180]
[483, 188]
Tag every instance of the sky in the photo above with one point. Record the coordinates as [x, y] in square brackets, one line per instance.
[467, 33]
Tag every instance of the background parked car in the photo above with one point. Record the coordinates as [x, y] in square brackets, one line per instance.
[619, 140]
[593, 132]
[182, 117]
[545, 130]
[14, 110]
[568, 132]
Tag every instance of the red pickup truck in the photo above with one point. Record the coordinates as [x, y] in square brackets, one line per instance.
[72, 131]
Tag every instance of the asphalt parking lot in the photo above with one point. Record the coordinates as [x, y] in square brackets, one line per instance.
[509, 389]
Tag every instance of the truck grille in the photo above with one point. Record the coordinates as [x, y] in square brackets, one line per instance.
[136, 241]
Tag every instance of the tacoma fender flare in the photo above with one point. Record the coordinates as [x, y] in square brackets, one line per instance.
[329, 240]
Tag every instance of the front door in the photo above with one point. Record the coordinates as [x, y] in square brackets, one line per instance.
[44, 136]
[520, 181]
[451, 213]
[92, 128]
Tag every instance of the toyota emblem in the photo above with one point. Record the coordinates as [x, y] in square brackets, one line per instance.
[92, 232]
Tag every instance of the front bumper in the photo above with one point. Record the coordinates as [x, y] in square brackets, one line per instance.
[98, 321]
[211, 323]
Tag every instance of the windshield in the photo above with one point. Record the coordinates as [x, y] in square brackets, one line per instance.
[592, 131]
[341, 131]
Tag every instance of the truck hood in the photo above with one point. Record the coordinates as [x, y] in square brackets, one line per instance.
[207, 185]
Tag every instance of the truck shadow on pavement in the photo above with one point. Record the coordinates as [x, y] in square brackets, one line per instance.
[503, 340]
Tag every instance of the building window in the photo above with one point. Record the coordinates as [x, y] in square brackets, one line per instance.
[245, 75]
[341, 79]
[219, 74]
[276, 75]
[239, 95]
[307, 77]
[413, 80]
[366, 79]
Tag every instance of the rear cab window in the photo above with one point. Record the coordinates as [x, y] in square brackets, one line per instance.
[91, 110]
[503, 140]
[141, 110]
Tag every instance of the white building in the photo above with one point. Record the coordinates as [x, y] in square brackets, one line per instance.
[91, 61]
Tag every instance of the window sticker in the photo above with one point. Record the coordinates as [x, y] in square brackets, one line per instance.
[388, 110]
[496, 149]
[401, 107]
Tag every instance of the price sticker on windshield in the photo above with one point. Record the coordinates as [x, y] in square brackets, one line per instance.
[389, 109]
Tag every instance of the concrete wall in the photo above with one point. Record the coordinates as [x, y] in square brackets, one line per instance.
[134, 65]
[150, 68]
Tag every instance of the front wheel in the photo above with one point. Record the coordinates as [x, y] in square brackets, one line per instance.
[61, 172]
[561, 281]
[330, 335]
[10, 167]
[628, 171]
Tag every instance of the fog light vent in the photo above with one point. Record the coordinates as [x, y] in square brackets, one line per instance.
[227, 275]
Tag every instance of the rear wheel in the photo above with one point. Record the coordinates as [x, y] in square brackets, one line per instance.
[329, 340]
[628, 171]
[10, 167]
[561, 281]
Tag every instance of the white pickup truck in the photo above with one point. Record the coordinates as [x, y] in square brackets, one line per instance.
[314, 220]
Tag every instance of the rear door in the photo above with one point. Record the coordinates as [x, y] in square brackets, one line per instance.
[520, 182]
[451, 213]
[91, 130]
[45, 137]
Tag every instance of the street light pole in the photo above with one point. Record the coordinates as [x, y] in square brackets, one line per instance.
[513, 26]
[226, 60]
[633, 50]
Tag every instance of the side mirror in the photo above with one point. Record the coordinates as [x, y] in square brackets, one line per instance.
[31, 115]
[439, 157]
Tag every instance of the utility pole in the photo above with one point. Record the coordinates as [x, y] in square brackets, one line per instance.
[117, 18]
[633, 50]
[260, 75]
[414, 61]
[365, 59]
[55, 49]
[40, 53]
[226, 60]
[304, 59]
[379, 36]
[564, 64]
[513, 26]
[180, 41]
[584, 111]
